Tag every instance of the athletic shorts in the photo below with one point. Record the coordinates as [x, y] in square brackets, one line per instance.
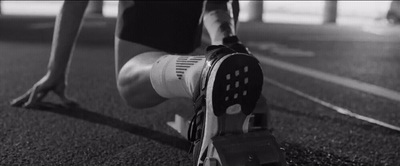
[174, 27]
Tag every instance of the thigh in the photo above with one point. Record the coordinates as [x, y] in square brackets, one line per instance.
[173, 27]
[133, 65]
[126, 50]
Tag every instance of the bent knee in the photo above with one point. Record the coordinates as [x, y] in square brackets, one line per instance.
[127, 92]
[128, 82]
[134, 86]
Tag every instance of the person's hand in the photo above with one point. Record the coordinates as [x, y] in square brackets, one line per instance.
[40, 89]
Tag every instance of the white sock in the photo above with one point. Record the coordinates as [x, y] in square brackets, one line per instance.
[174, 76]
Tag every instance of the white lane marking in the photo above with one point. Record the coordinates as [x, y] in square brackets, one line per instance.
[331, 106]
[348, 38]
[281, 50]
[350, 83]
[382, 30]
[375, 31]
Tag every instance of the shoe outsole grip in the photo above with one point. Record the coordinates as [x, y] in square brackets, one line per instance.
[231, 85]
[239, 80]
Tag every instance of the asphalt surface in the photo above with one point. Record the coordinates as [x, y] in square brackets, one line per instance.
[104, 131]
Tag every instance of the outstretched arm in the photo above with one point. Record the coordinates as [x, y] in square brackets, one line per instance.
[66, 31]
[67, 26]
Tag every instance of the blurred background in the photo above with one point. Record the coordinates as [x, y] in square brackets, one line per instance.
[331, 77]
[302, 12]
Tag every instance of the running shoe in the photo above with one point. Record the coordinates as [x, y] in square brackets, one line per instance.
[228, 90]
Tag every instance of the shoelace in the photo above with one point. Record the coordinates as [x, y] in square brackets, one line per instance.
[234, 43]
[194, 134]
[193, 131]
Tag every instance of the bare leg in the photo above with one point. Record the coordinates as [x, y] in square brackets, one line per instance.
[146, 76]
[133, 79]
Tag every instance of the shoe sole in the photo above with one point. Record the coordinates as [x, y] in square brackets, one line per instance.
[235, 83]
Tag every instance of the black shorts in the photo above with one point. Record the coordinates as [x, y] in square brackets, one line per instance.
[173, 27]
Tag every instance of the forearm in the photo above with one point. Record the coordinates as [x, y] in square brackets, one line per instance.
[218, 20]
[67, 26]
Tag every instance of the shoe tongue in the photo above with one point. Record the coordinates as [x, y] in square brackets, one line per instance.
[230, 40]
[214, 47]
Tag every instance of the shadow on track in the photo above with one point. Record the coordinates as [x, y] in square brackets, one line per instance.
[93, 117]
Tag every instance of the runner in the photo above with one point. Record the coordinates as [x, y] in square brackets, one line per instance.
[153, 46]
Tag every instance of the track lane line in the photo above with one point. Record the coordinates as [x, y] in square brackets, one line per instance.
[331, 106]
[283, 65]
[350, 83]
